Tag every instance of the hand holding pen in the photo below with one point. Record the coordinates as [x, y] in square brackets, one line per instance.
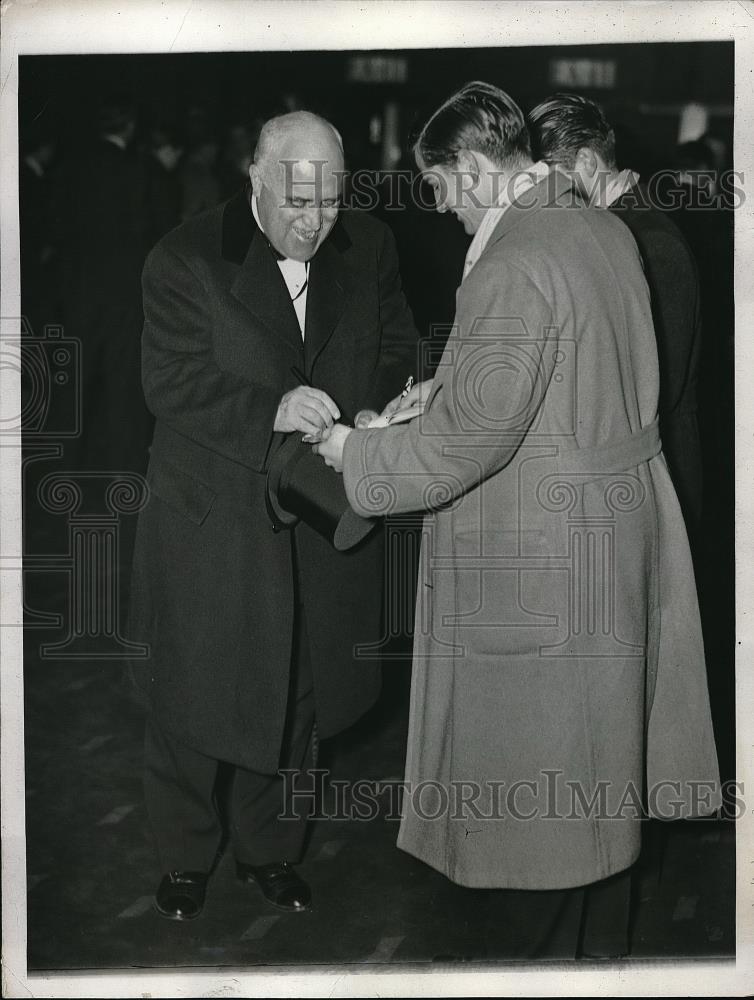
[407, 387]
[413, 394]
[305, 409]
[361, 420]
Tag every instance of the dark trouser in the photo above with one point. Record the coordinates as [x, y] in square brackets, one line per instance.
[588, 921]
[179, 785]
[606, 927]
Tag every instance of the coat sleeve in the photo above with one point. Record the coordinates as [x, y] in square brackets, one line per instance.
[398, 334]
[490, 386]
[183, 385]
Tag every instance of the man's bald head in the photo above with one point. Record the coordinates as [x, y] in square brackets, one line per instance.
[296, 178]
[299, 135]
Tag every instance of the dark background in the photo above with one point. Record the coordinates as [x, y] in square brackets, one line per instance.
[651, 81]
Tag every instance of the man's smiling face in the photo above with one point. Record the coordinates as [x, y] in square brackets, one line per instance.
[298, 193]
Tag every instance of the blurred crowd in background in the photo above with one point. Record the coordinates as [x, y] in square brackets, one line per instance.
[89, 216]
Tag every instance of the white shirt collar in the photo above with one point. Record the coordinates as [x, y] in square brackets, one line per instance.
[517, 184]
[295, 274]
[618, 186]
[286, 265]
[255, 212]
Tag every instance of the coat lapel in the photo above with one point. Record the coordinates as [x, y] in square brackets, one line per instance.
[329, 287]
[259, 285]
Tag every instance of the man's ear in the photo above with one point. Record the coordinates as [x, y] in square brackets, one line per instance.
[468, 163]
[586, 162]
[255, 176]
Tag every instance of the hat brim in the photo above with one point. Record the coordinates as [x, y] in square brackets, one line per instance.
[300, 487]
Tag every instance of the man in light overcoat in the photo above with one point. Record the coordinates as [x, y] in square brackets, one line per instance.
[559, 691]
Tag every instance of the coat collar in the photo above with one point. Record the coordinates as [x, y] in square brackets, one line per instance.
[260, 286]
[555, 190]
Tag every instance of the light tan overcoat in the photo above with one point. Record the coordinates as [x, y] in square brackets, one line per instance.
[559, 684]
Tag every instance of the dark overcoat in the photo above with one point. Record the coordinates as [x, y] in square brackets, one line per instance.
[214, 587]
[673, 280]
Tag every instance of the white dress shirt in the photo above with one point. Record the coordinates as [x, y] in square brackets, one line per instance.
[295, 275]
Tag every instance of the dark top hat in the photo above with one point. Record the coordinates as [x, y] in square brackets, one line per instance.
[301, 487]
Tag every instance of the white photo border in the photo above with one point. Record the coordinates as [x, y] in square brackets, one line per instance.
[173, 26]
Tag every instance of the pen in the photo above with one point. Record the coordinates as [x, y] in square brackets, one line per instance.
[407, 389]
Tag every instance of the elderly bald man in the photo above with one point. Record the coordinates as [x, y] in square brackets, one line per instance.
[252, 632]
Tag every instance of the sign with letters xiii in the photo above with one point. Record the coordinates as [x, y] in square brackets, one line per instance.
[596, 73]
[377, 69]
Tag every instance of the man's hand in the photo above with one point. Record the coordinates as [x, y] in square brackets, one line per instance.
[305, 409]
[331, 448]
[363, 418]
[417, 396]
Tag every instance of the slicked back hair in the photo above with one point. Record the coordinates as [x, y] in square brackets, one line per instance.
[564, 124]
[480, 118]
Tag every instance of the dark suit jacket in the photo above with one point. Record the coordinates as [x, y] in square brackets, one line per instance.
[673, 281]
[214, 587]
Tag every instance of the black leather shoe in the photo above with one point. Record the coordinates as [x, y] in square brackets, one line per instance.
[279, 883]
[180, 895]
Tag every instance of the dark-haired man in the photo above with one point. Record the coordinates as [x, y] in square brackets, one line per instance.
[572, 132]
